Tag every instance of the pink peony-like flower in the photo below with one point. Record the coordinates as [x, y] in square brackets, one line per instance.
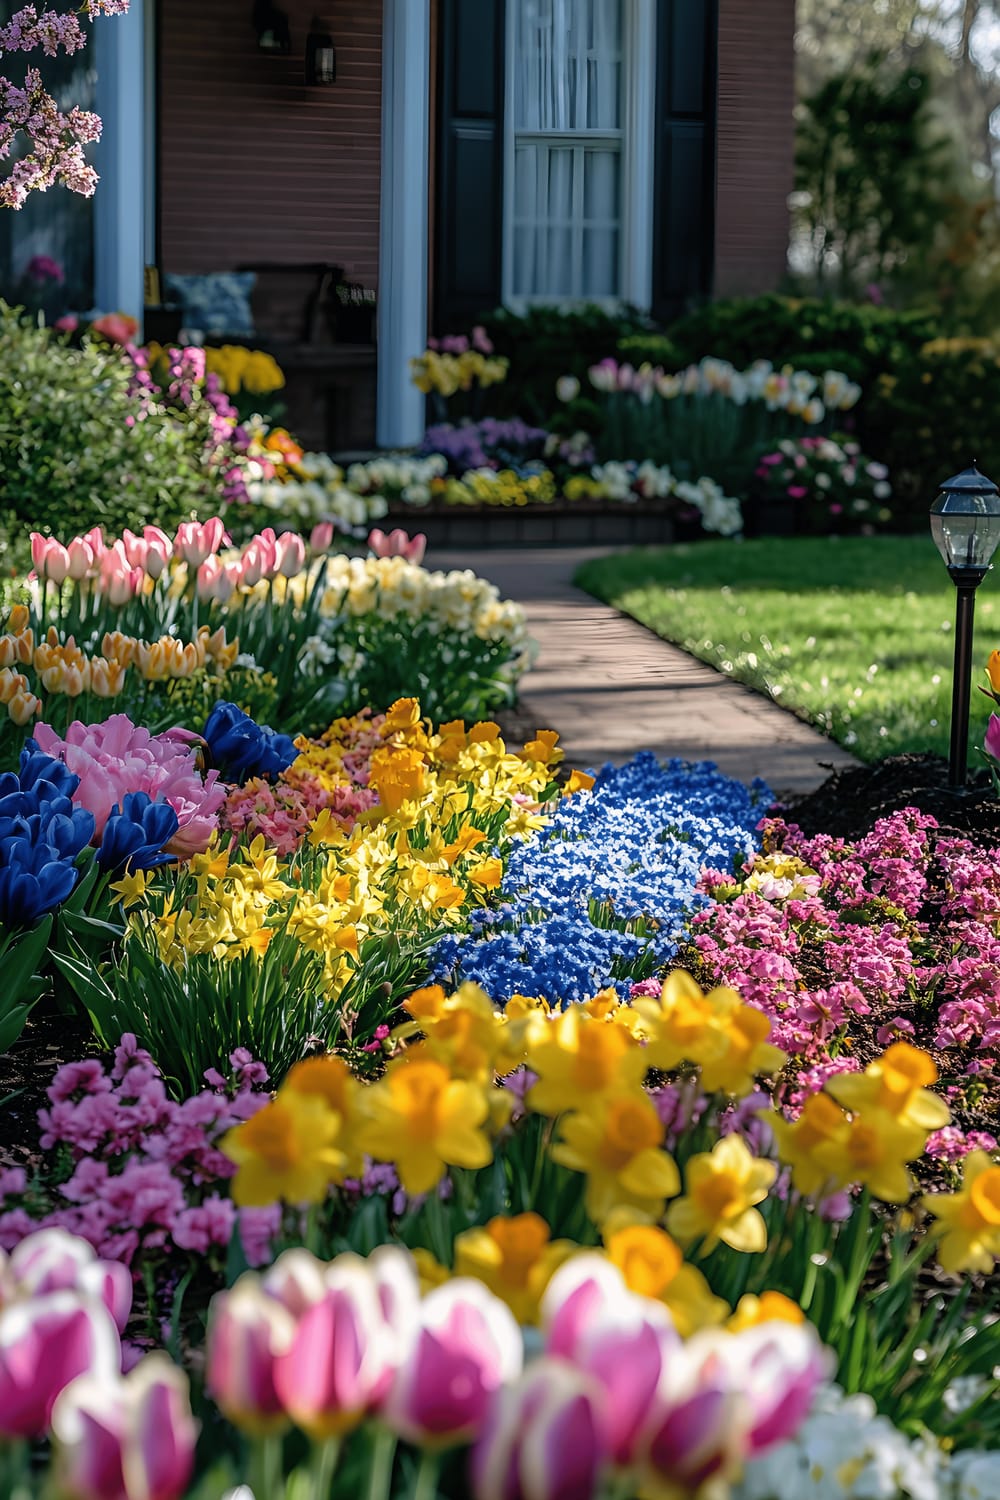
[118, 757]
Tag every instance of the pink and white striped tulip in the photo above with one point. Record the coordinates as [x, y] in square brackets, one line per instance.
[342, 1357]
[130, 1439]
[466, 1347]
[543, 1438]
[295, 1280]
[777, 1367]
[582, 1290]
[53, 1260]
[696, 1434]
[247, 1330]
[45, 1342]
[159, 550]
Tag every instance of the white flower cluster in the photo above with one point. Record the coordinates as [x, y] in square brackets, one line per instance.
[795, 391]
[397, 476]
[627, 481]
[845, 1451]
[317, 492]
[395, 589]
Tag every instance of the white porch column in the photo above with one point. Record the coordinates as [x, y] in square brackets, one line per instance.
[403, 231]
[119, 204]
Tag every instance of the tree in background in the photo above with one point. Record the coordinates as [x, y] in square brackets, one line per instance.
[47, 143]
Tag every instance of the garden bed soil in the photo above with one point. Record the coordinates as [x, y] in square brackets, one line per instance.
[850, 802]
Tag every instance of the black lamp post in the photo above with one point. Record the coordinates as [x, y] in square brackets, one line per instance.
[321, 56]
[965, 525]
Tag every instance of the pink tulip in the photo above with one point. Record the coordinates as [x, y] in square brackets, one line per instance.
[51, 559]
[247, 1331]
[991, 744]
[290, 554]
[321, 536]
[543, 1438]
[159, 550]
[130, 1439]
[53, 1260]
[343, 1355]
[194, 541]
[136, 549]
[45, 1342]
[777, 1366]
[466, 1347]
[82, 558]
[397, 544]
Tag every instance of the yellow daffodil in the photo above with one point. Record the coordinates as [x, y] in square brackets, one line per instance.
[681, 1023]
[577, 1059]
[515, 1257]
[488, 875]
[992, 669]
[873, 1153]
[422, 1120]
[723, 1185]
[132, 887]
[288, 1151]
[822, 1121]
[769, 1307]
[898, 1083]
[746, 1055]
[654, 1266]
[330, 1079]
[970, 1219]
[579, 781]
[430, 1272]
[618, 1144]
[543, 748]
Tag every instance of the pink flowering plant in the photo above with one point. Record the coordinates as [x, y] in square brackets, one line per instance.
[850, 946]
[828, 482]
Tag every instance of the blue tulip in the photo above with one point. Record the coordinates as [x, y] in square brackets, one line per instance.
[36, 767]
[34, 880]
[241, 747]
[135, 834]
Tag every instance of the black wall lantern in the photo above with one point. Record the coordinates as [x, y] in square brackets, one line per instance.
[271, 26]
[321, 56]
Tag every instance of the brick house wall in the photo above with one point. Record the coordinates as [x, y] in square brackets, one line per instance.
[754, 144]
[253, 166]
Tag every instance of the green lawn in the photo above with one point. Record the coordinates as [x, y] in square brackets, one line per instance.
[854, 634]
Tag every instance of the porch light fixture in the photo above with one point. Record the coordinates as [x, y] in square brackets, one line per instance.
[965, 525]
[271, 26]
[321, 56]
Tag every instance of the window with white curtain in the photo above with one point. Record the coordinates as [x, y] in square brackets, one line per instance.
[571, 77]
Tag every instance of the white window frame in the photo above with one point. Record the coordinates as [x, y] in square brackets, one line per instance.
[635, 247]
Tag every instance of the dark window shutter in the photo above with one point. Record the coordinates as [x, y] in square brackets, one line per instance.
[684, 215]
[469, 180]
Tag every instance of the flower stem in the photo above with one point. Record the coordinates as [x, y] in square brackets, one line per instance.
[265, 1467]
[425, 1484]
[324, 1465]
[380, 1474]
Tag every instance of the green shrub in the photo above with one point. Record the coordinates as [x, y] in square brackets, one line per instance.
[543, 344]
[932, 415]
[77, 449]
[652, 349]
[861, 340]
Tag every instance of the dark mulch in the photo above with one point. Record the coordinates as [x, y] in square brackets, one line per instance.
[50, 1038]
[850, 802]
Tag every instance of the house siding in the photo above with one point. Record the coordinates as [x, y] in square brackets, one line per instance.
[253, 166]
[754, 144]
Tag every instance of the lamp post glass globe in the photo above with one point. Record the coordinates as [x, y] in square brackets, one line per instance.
[965, 525]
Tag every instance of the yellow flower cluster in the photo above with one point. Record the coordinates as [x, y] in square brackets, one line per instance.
[864, 1128]
[61, 667]
[504, 488]
[242, 369]
[448, 373]
[419, 860]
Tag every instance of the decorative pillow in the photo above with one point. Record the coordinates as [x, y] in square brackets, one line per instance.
[216, 304]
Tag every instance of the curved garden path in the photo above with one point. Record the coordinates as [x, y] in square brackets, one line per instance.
[611, 687]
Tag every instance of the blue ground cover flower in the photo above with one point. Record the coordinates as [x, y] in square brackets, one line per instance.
[602, 894]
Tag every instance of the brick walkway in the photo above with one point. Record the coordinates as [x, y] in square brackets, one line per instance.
[611, 687]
